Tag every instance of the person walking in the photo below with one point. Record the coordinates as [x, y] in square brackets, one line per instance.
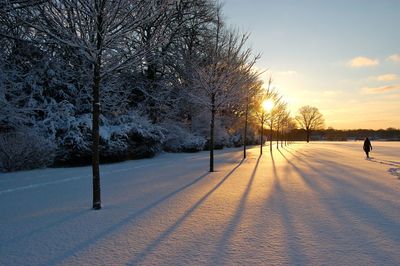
[367, 147]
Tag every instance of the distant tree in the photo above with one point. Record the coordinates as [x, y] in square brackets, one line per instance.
[282, 115]
[289, 125]
[273, 112]
[217, 78]
[267, 100]
[252, 89]
[309, 118]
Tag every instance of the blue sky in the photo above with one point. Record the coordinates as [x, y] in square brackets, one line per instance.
[342, 56]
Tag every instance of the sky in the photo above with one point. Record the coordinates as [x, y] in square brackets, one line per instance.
[341, 56]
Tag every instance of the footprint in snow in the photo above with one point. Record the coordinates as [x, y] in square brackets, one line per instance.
[395, 172]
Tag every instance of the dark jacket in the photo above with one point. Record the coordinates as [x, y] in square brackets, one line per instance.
[367, 145]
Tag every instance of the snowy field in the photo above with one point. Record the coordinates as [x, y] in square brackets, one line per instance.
[306, 204]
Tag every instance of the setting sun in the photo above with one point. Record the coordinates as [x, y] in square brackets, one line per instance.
[268, 105]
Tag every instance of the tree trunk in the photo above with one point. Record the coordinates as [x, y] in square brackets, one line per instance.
[261, 137]
[96, 138]
[308, 136]
[212, 133]
[245, 129]
[270, 137]
[96, 111]
[277, 138]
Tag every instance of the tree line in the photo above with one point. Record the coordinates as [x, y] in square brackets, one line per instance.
[331, 134]
[84, 82]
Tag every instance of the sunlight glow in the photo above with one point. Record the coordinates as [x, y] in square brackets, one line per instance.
[267, 105]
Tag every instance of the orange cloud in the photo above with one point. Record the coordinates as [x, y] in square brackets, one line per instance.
[362, 61]
[382, 89]
[394, 58]
[386, 77]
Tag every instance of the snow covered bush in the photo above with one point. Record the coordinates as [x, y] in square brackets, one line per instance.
[74, 139]
[201, 127]
[179, 139]
[123, 137]
[253, 136]
[236, 140]
[129, 136]
[221, 137]
[23, 150]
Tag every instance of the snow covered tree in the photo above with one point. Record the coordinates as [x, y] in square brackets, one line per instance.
[217, 77]
[309, 119]
[102, 31]
[9, 5]
[158, 85]
[142, 60]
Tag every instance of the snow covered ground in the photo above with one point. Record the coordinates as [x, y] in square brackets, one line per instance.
[306, 204]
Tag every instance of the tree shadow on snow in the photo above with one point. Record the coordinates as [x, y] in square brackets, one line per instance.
[334, 163]
[287, 148]
[155, 243]
[235, 221]
[85, 244]
[347, 203]
[295, 252]
[73, 214]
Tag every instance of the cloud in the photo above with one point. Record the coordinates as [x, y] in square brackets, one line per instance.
[394, 58]
[382, 89]
[385, 77]
[287, 73]
[362, 61]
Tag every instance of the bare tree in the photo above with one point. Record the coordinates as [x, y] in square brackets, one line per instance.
[309, 118]
[251, 91]
[266, 105]
[290, 125]
[103, 32]
[218, 79]
[281, 116]
[275, 100]
[287, 125]
[285, 128]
